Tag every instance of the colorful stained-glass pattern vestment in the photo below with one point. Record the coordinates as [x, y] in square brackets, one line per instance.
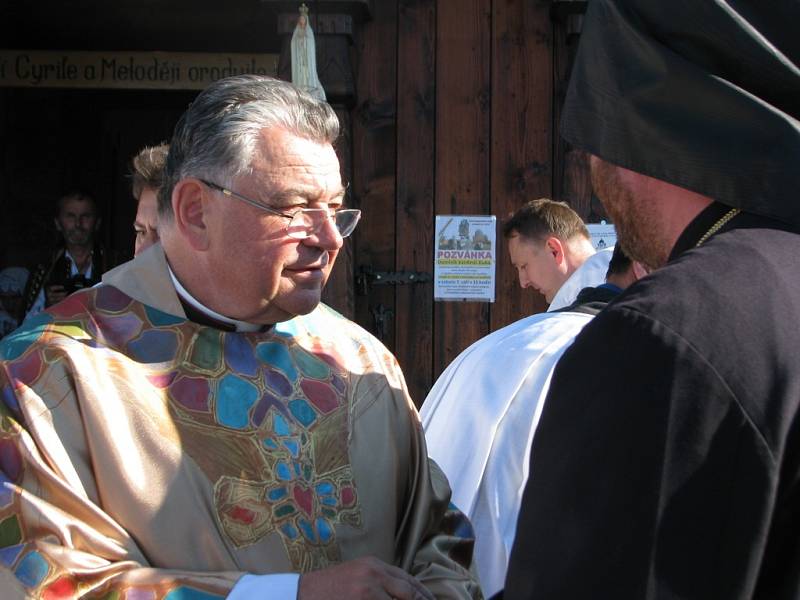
[143, 455]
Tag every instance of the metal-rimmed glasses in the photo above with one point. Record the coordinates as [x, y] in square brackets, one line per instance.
[304, 222]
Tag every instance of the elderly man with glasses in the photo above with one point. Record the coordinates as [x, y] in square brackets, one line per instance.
[200, 426]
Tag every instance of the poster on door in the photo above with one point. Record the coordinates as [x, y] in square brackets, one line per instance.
[465, 258]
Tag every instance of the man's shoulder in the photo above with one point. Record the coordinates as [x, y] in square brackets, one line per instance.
[591, 300]
[537, 323]
[326, 322]
[727, 307]
[740, 274]
[374, 373]
[529, 336]
[347, 342]
[591, 273]
[69, 319]
[89, 314]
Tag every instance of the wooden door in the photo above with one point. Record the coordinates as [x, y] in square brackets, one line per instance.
[454, 116]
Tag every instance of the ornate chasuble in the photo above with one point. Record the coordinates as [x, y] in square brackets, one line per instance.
[210, 453]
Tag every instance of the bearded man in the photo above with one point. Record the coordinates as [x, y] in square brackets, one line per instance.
[667, 460]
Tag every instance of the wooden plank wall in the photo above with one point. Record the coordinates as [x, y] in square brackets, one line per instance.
[455, 115]
[374, 127]
[522, 105]
[416, 119]
[463, 162]
[339, 292]
[571, 181]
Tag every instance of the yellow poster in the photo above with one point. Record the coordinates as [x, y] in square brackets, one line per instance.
[465, 262]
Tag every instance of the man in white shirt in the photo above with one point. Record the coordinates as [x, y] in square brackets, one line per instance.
[78, 263]
[481, 414]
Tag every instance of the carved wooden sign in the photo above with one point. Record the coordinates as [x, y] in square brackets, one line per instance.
[131, 70]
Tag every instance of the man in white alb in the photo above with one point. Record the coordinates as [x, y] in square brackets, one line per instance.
[481, 414]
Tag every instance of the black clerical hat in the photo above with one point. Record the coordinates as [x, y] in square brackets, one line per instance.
[704, 94]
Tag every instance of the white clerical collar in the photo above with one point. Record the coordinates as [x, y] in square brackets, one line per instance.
[240, 326]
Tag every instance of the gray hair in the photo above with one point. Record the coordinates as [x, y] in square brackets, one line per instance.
[217, 135]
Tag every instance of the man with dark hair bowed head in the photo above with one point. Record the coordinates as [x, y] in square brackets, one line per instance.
[667, 460]
[199, 426]
[551, 249]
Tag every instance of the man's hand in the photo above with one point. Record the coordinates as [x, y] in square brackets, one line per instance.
[362, 579]
[53, 294]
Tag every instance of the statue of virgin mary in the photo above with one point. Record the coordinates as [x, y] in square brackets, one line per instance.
[304, 57]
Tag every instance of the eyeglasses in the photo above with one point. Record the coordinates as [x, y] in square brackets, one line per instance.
[304, 222]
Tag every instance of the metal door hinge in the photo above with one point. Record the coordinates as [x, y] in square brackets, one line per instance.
[368, 277]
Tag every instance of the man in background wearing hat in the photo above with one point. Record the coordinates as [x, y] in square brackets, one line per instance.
[667, 460]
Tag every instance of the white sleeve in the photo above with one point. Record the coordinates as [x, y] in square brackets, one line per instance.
[280, 586]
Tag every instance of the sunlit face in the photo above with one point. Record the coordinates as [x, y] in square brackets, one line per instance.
[77, 222]
[270, 277]
[536, 266]
[146, 223]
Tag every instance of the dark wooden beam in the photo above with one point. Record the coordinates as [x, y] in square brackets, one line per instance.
[416, 141]
[463, 148]
[560, 9]
[360, 10]
[336, 25]
[374, 166]
[522, 104]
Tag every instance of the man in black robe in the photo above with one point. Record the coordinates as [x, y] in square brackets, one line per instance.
[667, 461]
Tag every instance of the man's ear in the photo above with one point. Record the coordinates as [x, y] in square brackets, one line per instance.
[639, 270]
[555, 247]
[188, 207]
[57, 224]
[97, 223]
